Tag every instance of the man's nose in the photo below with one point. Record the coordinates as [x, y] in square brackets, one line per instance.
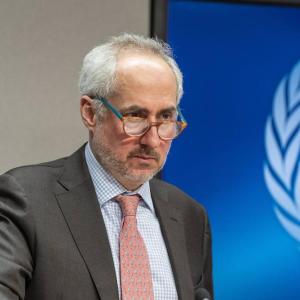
[151, 138]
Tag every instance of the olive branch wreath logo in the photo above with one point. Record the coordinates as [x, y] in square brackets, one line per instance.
[282, 144]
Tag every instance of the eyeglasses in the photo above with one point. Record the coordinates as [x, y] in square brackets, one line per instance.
[138, 126]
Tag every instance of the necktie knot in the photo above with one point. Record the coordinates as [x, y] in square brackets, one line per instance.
[128, 204]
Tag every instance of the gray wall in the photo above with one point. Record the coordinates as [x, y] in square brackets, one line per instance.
[42, 46]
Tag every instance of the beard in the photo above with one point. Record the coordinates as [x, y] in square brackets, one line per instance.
[122, 169]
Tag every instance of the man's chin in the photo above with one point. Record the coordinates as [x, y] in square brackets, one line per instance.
[141, 176]
[142, 172]
[143, 166]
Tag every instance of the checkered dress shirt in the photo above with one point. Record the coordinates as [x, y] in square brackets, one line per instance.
[107, 188]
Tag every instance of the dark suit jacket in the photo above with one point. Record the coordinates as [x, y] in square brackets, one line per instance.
[53, 241]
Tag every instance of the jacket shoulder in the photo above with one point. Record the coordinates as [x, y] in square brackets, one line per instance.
[37, 170]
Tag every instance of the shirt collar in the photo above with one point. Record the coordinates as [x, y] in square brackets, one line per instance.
[107, 187]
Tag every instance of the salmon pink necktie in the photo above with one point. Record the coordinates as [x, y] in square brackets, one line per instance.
[136, 281]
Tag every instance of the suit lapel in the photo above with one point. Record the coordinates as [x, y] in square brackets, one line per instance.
[81, 210]
[173, 231]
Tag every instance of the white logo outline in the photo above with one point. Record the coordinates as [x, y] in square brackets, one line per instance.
[282, 144]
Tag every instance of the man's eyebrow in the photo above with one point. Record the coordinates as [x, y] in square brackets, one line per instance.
[139, 109]
[133, 108]
[170, 109]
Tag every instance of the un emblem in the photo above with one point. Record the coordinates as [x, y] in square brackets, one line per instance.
[282, 143]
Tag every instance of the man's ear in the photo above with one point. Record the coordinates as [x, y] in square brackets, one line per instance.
[87, 111]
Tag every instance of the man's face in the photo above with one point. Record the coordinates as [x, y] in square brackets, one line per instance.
[146, 87]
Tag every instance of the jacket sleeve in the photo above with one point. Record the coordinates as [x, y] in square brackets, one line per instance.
[16, 263]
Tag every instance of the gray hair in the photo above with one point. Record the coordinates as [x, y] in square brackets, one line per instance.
[98, 73]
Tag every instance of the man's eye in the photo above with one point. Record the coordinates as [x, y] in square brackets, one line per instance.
[168, 116]
[135, 114]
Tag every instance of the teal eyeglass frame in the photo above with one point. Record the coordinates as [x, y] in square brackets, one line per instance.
[120, 116]
[115, 111]
[109, 106]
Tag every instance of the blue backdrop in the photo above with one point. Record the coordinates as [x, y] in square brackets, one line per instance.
[233, 57]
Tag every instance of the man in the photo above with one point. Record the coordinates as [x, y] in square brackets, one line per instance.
[63, 223]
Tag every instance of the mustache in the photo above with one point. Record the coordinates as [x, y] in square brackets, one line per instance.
[144, 151]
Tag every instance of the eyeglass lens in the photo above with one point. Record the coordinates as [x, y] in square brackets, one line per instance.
[138, 126]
